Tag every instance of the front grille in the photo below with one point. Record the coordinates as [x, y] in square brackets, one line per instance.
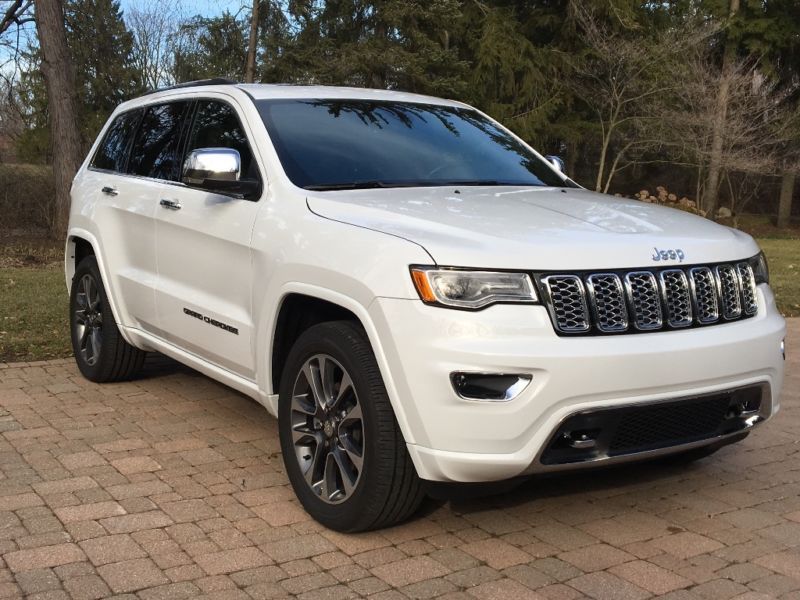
[611, 432]
[649, 299]
[645, 428]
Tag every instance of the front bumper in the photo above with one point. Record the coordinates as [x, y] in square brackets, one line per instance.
[453, 439]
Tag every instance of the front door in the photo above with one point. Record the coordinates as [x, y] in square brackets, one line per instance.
[204, 287]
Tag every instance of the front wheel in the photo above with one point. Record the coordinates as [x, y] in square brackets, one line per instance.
[100, 351]
[343, 450]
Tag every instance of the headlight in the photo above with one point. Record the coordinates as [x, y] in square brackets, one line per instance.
[760, 268]
[471, 289]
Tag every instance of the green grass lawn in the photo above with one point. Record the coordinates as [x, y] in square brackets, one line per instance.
[33, 300]
[783, 256]
[33, 313]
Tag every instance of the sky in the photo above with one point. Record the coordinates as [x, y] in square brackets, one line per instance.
[206, 8]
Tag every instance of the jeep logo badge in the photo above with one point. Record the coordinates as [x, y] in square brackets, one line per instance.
[669, 254]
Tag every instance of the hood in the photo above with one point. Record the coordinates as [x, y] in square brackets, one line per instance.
[535, 228]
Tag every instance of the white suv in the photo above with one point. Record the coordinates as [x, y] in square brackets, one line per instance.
[415, 293]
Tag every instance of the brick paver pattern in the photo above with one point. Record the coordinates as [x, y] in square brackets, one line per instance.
[172, 486]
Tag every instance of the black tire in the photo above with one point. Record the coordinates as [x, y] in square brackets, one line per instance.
[388, 489]
[116, 359]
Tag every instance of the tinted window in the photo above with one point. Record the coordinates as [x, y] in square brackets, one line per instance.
[112, 151]
[156, 150]
[217, 126]
[339, 143]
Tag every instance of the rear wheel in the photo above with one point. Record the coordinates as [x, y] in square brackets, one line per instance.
[100, 351]
[343, 450]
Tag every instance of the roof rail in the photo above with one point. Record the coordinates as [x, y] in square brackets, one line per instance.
[197, 83]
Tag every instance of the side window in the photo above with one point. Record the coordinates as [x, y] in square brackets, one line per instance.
[217, 126]
[112, 151]
[156, 150]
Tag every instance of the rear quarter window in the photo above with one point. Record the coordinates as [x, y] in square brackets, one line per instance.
[112, 153]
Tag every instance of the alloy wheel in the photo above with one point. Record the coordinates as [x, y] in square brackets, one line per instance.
[327, 429]
[88, 320]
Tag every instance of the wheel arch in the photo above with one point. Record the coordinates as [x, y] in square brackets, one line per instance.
[80, 244]
[337, 306]
[297, 313]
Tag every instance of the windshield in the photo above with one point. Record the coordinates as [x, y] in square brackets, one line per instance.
[350, 144]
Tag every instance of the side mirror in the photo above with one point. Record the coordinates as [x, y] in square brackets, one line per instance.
[557, 162]
[218, 170]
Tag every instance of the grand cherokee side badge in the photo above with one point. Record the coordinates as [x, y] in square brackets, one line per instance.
[211, 321]
[669, 254]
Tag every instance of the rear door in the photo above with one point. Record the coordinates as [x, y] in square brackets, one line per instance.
[152, 166]
[204, 289]
[124, 220]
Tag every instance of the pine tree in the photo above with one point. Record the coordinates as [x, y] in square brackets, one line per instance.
[100, 47]
[394, 44]
[212, 47]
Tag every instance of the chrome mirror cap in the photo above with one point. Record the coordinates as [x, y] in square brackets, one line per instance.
[211, 164]
[557, 162]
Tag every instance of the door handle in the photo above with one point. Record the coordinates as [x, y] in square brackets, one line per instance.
[170, 204]
[109, 191]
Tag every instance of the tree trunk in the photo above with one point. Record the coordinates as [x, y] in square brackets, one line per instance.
[601, 168]
[718, 134]
[785, 204]
[58, 77]
[250, 67]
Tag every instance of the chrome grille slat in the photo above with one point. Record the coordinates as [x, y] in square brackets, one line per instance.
[649, 299]
[704, 290]
[568, 302]
[675, 289]
[643, 295]
[607, 299]
[748, 282]
[730, 291]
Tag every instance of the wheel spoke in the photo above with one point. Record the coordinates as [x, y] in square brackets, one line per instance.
[83, 336]
[81, 301]
[348, 480]
[301, 403]
[345, 386]
[333, 473]
[353, 454]
[92, 293]
[312, 474]
[97, 342]
[303, 434]
[327, 371]
[352, 414]
[86, 345]
[315, 384]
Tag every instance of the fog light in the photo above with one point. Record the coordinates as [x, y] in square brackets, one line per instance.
[494, 387]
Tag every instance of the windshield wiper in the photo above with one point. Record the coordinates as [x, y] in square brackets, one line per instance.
[375, 183]
[477, 182]
[350, 185]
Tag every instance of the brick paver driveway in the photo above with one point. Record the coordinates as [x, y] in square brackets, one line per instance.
[172, 487]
